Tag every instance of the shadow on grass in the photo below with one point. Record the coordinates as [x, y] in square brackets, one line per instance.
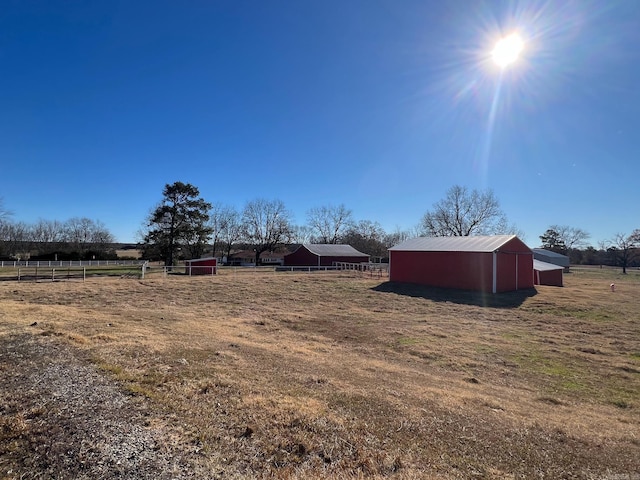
[466, 297]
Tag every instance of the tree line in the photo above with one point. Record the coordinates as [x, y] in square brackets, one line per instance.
[622, 250]
[183, 225]
[74, 239]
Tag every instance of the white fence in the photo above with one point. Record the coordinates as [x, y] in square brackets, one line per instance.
[67, 263]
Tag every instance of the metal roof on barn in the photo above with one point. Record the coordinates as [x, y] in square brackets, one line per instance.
[332, 250]
[200, 259]
[550, 257]
[489, 243]
[544, 266]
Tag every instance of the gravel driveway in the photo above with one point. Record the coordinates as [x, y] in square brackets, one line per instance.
[62, 418]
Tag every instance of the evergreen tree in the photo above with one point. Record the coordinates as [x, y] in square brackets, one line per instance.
[178, 222]
[552, 240]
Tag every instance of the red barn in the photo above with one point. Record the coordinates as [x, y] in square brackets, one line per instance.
[201, 266]
[497, 263]
[321, 255]
[547, 273]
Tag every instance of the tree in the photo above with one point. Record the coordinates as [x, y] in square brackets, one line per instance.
[367, 237]
[462, 213]
[301, 234]
[329, 222]
[572, 237]
[266, 224]
[4, 213]
[398, 236]
[225, 226]
[49, 235]
[85, 236]
[624, 249]
[179, 221]
[15, 239]
[5, 227]
[551, 240]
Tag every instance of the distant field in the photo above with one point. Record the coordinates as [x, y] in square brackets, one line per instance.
[129, 253]
[323, 375]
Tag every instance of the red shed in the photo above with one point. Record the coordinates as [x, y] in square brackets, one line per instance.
[201, 266]
[321, 255]
[497, 263]
[547, 273]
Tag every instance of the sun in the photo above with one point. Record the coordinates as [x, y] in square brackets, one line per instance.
[507, 50]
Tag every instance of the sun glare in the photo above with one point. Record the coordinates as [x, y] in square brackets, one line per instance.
[507, 50]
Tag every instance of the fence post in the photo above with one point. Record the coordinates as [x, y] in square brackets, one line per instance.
[84, 274]
[53, 274]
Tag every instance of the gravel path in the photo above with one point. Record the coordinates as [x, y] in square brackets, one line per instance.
[61, 418]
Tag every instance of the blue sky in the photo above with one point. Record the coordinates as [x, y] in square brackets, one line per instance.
[379, 105]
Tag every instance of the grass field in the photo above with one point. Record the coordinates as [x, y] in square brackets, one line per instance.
[329, 375]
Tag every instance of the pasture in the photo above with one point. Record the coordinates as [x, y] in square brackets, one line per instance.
[322, 375]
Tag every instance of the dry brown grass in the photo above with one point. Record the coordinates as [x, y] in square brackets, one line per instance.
[328, 375]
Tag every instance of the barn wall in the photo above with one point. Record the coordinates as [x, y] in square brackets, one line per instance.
[301, 257]
[525, 271]
[203, 267]
[507, 270]
[512, 252]
[549, 277]
[328, 261]
[463, 270]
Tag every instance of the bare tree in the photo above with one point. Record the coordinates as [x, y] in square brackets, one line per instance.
[15, 239]
[301, 234]
[84, 236]
[48, 233]
[266, 224]
[4, 213]
[624, 249]
[463, 213]
[398, 236]
[224, 222]
[367, 237]
[329, 222]
[571, 237]
[78, 233]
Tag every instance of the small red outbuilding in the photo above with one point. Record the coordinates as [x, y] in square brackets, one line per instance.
[323, 255]
[201, 266]
[497, 263]
[547, 273]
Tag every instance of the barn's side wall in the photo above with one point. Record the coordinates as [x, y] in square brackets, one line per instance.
[328, 261]
[301, 257]
[514, 271]
[463, 270]
[203, 267]
[506, 275]
[548, 277]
